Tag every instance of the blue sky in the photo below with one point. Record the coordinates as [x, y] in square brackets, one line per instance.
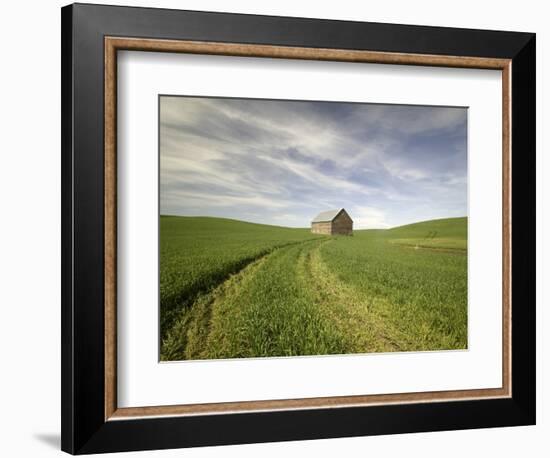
[282, 162]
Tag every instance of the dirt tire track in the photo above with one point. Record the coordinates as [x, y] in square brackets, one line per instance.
[351, 322]
[364, 329]
[190, 337]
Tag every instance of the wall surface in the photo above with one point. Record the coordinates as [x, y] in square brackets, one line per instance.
[30, 230]
[321, 228]
[342, 224]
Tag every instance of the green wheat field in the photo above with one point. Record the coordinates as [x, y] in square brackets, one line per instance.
[232, 289]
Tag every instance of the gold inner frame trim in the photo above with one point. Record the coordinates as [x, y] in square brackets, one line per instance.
[114, 44]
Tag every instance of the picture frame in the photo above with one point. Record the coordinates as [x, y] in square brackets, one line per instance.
[92, 35]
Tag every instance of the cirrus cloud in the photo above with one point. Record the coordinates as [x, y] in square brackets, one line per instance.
[282, 162]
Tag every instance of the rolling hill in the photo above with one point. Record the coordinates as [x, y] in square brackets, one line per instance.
[233, 289]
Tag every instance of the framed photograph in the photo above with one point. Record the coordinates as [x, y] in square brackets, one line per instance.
[282, 228]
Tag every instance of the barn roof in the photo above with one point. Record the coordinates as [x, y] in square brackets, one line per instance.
[327, 216]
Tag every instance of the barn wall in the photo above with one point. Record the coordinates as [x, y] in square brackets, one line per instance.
[342, 225]
[321, 228]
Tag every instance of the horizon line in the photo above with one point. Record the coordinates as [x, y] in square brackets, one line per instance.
[308, 227]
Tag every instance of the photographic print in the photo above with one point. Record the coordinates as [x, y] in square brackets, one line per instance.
[293, 228]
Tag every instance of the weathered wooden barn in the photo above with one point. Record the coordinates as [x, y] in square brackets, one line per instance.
[332, 222]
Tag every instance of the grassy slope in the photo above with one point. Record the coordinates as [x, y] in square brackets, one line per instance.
[197, 253]
[422, 292]
[301, 294]
[450, 233]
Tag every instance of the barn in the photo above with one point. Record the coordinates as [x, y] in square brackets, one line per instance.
[332, 222]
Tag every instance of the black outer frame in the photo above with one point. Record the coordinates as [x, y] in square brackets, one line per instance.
[84, 429]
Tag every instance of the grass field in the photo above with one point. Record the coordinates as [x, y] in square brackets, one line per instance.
[233, 289]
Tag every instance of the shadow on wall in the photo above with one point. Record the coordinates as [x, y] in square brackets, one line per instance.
[50, 439]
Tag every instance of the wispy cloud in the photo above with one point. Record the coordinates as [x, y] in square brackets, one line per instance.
[281, 162]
